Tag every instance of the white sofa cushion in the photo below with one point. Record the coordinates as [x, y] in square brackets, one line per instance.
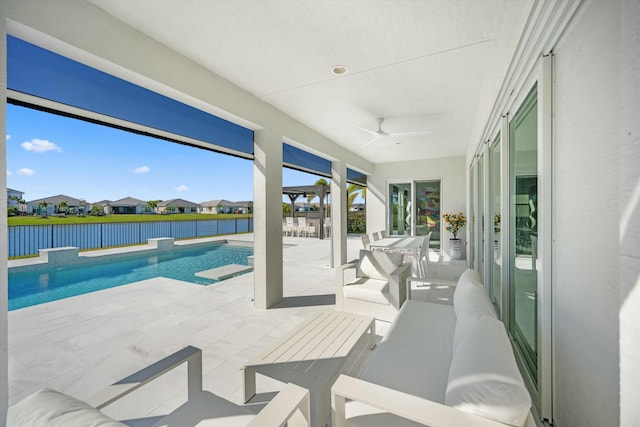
[470, 299]
[415, 354]
[484, 378]
[371, 290]
[51, 408]
[378, 265]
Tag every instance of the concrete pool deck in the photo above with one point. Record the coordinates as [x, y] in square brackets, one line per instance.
[82, 344]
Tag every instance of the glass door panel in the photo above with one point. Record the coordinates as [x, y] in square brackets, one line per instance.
[480, 217]
[523, 200]
[495, 215]
[427, 201]
[473, 217]
[400, 209]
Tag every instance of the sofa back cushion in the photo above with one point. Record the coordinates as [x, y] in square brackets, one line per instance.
[483, 376]
[50, 408]
[378, 265]
[470, 299]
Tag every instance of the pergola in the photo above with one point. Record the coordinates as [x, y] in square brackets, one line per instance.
[319, 190]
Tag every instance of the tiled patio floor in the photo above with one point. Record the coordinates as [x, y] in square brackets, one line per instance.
[82, 344]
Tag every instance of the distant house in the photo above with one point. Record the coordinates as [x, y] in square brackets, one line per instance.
[14, 199]
[56, 205]
[177, 206]
[357, 207]
[226, 207]
[212, 207]
[305, 207]
[130, 205]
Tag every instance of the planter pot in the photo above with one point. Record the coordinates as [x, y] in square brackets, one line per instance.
[455, 248]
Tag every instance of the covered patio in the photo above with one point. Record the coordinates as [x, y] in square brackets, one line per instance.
[483, 97]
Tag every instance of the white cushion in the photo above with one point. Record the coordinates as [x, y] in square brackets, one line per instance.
[378, 265]
[484, 378]
[470, 298]
[415, 354]
[54, 409]
[371, 290]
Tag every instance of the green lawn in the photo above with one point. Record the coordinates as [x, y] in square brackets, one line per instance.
[37, 220]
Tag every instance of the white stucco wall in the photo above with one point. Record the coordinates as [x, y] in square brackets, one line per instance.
[586, 168]
[451, 170]
[629, 213]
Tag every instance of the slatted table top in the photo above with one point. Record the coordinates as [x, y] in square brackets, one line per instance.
[328, 335]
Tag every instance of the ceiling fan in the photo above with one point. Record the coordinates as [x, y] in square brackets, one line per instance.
[378, 134]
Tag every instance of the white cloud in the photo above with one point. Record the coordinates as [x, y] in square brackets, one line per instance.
[141, 169]
[40, 146]
[9, 173]
[182, 188]
[26, 171]
[8, 137]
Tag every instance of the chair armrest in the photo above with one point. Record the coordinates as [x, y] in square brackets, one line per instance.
[117, 390]
[404, 405]
[340, 282]
[282, 409]
[397, 285]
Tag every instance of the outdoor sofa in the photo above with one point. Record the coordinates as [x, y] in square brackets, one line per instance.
[51, 408]
[438, 365]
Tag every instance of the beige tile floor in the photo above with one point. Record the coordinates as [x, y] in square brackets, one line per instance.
[82, 344]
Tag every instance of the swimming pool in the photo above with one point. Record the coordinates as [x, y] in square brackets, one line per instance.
[29, 288]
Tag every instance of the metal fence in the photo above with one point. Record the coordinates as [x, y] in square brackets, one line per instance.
[28, 239]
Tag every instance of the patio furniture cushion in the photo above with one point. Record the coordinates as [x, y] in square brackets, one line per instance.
[470, 299]
[483, 376]
[371, 290]
[51, 408]
[378, 265]
[415, 354]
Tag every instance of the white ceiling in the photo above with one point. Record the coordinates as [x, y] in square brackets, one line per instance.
[422, 65]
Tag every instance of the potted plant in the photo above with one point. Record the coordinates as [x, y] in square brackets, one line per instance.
[454, 223]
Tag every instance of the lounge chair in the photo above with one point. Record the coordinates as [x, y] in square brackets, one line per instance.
[51, 408]
[378, 288]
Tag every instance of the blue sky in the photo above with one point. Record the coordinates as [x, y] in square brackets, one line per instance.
[49, 155]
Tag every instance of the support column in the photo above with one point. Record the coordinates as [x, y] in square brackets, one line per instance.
[267, 219]
[339, 211]
[4, 355]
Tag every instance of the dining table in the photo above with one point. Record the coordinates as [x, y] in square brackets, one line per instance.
[410, 244]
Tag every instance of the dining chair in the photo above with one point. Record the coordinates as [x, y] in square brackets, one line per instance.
[366, 241]
[376, 236]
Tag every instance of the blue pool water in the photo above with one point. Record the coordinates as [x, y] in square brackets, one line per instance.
[37, 287]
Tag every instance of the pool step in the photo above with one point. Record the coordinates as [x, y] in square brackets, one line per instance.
[224, 272]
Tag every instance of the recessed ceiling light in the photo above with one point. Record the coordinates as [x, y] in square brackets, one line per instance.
[339, 70]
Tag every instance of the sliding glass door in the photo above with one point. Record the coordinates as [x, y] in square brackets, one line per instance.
[495, 215]
[523, 236]
[400, 209]
[427, 212]
[414, 209]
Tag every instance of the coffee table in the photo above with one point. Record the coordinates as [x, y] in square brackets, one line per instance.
[311, 356]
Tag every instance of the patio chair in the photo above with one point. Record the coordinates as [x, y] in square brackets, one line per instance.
[290, 226]
[366, 241]
[327, 227]
[51, 408]
[303, 227]
[376, 236]
[383, 234]
[378, 288]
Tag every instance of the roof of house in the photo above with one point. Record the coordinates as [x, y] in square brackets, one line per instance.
[214, 203]
[56, 200]
[128, 201]
[179, 203]
[11, 190]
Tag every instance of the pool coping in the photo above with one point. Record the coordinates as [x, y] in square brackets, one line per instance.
[71, 256]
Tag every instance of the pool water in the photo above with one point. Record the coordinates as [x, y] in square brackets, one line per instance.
[36, 287]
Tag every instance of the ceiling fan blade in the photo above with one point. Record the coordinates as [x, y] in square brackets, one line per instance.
[372, 132]
[417, 132]
[372, 139]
